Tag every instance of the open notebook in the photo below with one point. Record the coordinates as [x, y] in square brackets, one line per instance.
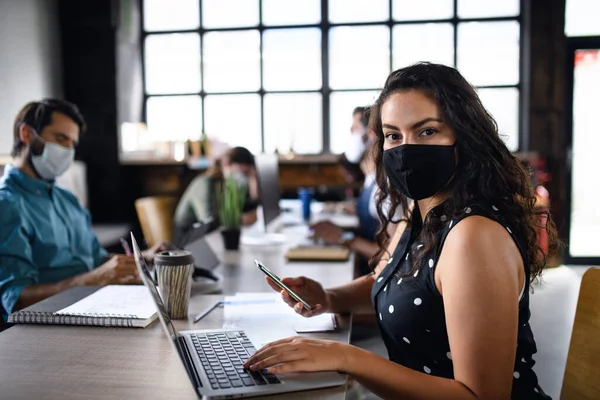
[115, 305]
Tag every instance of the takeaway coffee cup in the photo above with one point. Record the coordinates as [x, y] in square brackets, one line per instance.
[174, 269]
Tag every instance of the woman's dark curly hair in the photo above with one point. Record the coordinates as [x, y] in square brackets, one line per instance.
[487, 172]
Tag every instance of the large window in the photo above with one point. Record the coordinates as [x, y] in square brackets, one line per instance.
[281, 74]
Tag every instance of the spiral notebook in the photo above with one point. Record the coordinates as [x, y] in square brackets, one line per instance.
[116, 305]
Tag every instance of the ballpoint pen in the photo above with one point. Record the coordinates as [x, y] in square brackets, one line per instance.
[126, 247]
[221, 303]
[208, 310]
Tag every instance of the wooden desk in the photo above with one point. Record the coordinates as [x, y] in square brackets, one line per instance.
[62, 362]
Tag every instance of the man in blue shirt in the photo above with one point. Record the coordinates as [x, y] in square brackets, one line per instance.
[46, 240]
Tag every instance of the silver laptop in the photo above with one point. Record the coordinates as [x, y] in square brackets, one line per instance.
[214, 358]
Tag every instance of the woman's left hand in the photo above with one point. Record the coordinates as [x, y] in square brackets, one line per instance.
[299, 354]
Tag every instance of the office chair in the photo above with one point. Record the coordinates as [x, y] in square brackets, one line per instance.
[581, 380]
[156, 218]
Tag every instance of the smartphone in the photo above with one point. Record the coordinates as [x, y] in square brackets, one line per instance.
[282, 285]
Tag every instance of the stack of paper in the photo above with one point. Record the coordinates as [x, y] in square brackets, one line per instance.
[268, 310]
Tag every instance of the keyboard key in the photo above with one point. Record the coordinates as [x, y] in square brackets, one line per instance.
[248, 381]
[271, 378]
[237, 383]
[224, 385]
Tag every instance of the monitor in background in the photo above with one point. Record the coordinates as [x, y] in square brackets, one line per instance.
[267, 171]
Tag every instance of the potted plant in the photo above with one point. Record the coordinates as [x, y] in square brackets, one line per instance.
[231, 196]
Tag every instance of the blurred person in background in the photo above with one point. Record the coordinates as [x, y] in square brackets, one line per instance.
[199, 202]
[46, 240]
[362, 239]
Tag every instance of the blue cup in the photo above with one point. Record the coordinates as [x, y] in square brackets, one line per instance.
[305, 195]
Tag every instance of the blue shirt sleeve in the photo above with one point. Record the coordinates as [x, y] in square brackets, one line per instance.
[100, 254]
[17, 269]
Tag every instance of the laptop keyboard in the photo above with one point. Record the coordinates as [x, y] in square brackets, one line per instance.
[223, 355]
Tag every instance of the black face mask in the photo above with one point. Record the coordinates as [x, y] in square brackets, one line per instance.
[419, 171]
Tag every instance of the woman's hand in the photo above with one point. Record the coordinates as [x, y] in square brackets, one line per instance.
[309, 290]
[299, 354]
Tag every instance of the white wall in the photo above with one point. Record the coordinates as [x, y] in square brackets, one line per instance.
[30, 59]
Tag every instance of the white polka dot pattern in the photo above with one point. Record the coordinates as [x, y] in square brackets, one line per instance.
[508, 229]
[449, 355]
[391, 309]
[380, 279]
[385, 288]
[419, 246]
[418, 301]
[451, 222]
[416, 273]
[380, 318]
[426, 369]
[444, 218]
[390, 260]
[516, 374]
[399, 281]
[406, 340]
[468, 210]
[495, 208]
[536, 390]
[431, 263]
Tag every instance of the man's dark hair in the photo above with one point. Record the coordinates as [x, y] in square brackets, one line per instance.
[38, 114]
[364, 115]
[240, 155]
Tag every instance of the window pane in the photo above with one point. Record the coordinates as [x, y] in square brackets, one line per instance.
[488, 52]
[410, 10]
[423, 42]
[174, 118]
[503, 104]
[358, 10]
[359, 57]
[582, 18]
[169, 15]
[229, 13]
[234, 119]
[231, 61]
[293, 121]
[291, 12]
[487, 8]
[292, 59]
[172, 63]
[585, 191]
[341, 106]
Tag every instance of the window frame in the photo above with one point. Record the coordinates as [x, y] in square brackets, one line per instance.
[325, 89]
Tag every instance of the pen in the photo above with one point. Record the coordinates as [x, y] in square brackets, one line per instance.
[126, 247]
[207, 311]
[234, 302]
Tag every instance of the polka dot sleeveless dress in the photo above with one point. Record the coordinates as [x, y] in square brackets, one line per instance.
[410, 310]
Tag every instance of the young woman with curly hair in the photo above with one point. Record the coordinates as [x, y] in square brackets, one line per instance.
[451, 287]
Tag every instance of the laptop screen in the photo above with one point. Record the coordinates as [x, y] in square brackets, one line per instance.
[150, 284]
[267, 168]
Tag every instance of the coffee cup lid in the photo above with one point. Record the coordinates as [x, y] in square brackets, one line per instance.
[174, 257]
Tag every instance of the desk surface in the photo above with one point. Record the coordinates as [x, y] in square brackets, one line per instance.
[90, 363]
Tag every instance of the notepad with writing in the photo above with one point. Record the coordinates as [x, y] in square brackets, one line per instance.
[116, 305]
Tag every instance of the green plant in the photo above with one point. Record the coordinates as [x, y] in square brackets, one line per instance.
[231, 196]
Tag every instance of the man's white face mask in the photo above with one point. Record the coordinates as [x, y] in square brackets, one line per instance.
[54, 160]
[356, 146]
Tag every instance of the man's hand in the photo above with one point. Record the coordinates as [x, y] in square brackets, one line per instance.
[157, 248]
[118, 270]
[327, 232]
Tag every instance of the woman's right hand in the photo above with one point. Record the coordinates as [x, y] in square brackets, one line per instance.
[309, 290]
